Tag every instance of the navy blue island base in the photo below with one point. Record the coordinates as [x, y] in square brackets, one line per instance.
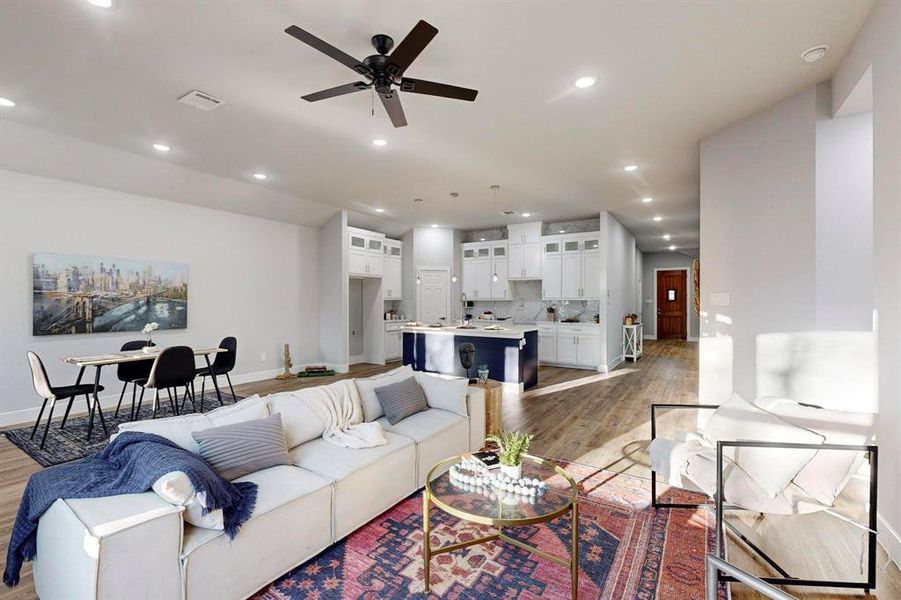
[511, 354]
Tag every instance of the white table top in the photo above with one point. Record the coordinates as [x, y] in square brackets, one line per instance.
[130, 356]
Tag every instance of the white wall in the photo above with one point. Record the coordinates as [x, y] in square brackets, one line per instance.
[665, 260]
[844, 218]
[252, 278]
[757, 239]
[878, 45]
[333, 294]
[617, 285]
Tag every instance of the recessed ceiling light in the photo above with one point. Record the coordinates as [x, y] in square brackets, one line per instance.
[672, 247]
[434, 225]
[7, 102]
[380, 210]
[260, 176]
[811, 55]
[648, 199]
[630, 168]
[658, 218]
[102, 3]
[667, 237]
[585, 82]
[379, 142]
[527, 214]
[161, 147]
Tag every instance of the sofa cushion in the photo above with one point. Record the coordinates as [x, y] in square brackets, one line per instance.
[242, 448]
[176, 429]
[248, 409]
[290, 524]
[302, 424]
[444, 391]
[336, 463]
[827, 473]
[372, 410]
[771, 468]
[401, 399]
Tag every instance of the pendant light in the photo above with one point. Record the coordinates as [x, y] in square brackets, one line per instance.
[495, 188]
[418, 202]
[454, 195]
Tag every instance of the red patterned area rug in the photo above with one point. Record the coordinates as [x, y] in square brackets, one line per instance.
[626, 550]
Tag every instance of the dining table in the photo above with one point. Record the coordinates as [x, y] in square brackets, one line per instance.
[127, 356]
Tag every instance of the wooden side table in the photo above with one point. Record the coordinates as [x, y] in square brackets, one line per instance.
[494, 402]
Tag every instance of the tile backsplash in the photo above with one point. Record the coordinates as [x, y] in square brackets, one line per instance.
[528, 307]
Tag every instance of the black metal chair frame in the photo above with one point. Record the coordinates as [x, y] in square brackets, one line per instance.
[720, 506]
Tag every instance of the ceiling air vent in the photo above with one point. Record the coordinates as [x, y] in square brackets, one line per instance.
[201, 100]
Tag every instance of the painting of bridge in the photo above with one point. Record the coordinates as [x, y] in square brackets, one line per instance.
[86, 294]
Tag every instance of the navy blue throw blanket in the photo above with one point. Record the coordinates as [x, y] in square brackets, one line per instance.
[130, 464]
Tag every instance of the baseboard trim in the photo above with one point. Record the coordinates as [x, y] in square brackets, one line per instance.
[889, 539]
[27, 416]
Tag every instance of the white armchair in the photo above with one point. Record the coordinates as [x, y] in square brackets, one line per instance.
[779, 455]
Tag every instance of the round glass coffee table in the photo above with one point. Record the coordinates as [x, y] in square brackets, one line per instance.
[486, 504]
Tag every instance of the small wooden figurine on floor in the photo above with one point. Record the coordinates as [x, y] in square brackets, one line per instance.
[287, 374]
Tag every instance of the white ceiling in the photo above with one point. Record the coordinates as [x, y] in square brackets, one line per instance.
[669, 73]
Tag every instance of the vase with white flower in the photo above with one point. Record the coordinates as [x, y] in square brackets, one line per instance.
[148, 330]
[512, 445]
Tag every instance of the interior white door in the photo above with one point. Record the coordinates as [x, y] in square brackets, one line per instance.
[432, 304]
[571, 276]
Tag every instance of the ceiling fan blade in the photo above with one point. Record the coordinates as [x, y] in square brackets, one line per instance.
[342, 57]
[421, 86]
[340, 90]
[411, 46]
[391, 102]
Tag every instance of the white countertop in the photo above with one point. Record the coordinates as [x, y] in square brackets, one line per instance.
[506, 331]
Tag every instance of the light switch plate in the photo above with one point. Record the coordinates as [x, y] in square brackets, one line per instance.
[719, 299]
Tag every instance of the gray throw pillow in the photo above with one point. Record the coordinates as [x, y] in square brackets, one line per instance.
[402, 399]
[241, 448]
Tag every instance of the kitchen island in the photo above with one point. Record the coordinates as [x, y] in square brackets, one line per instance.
[511, 351]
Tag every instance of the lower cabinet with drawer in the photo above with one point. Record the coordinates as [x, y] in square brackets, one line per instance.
[569, 344]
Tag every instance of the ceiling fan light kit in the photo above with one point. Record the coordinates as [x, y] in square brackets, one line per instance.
[383, 71]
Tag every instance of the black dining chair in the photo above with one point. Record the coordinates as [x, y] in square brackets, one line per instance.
[222, 365]
[51, 394]
[132, 371]
[173, 368]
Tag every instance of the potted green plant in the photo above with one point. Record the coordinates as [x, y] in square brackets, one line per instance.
[512, 445]
[483, 373]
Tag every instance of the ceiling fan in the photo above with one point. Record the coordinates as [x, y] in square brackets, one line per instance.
[385, 72]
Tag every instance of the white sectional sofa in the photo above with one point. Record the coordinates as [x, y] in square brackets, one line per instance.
[139, 546]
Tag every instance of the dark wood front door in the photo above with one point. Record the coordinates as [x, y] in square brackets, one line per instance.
[672, 305]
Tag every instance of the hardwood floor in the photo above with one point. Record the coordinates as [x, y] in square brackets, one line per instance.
[599, 420]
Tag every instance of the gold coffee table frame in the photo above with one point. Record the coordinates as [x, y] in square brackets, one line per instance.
[571, 506]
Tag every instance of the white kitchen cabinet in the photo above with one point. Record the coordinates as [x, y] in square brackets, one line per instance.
[524, 249]
[571, 267]
[569, 345]
[365, 253]
[392, 275]
[394, 348]
[481, 261]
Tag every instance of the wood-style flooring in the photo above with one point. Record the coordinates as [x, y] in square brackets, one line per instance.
[603, 421]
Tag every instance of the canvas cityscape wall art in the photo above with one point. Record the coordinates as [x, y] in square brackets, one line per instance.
[87, 294]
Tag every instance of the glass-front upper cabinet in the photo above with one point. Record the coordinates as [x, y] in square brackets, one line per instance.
[357, 241]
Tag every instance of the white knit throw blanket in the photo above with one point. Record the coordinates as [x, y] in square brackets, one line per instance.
[339, 409]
